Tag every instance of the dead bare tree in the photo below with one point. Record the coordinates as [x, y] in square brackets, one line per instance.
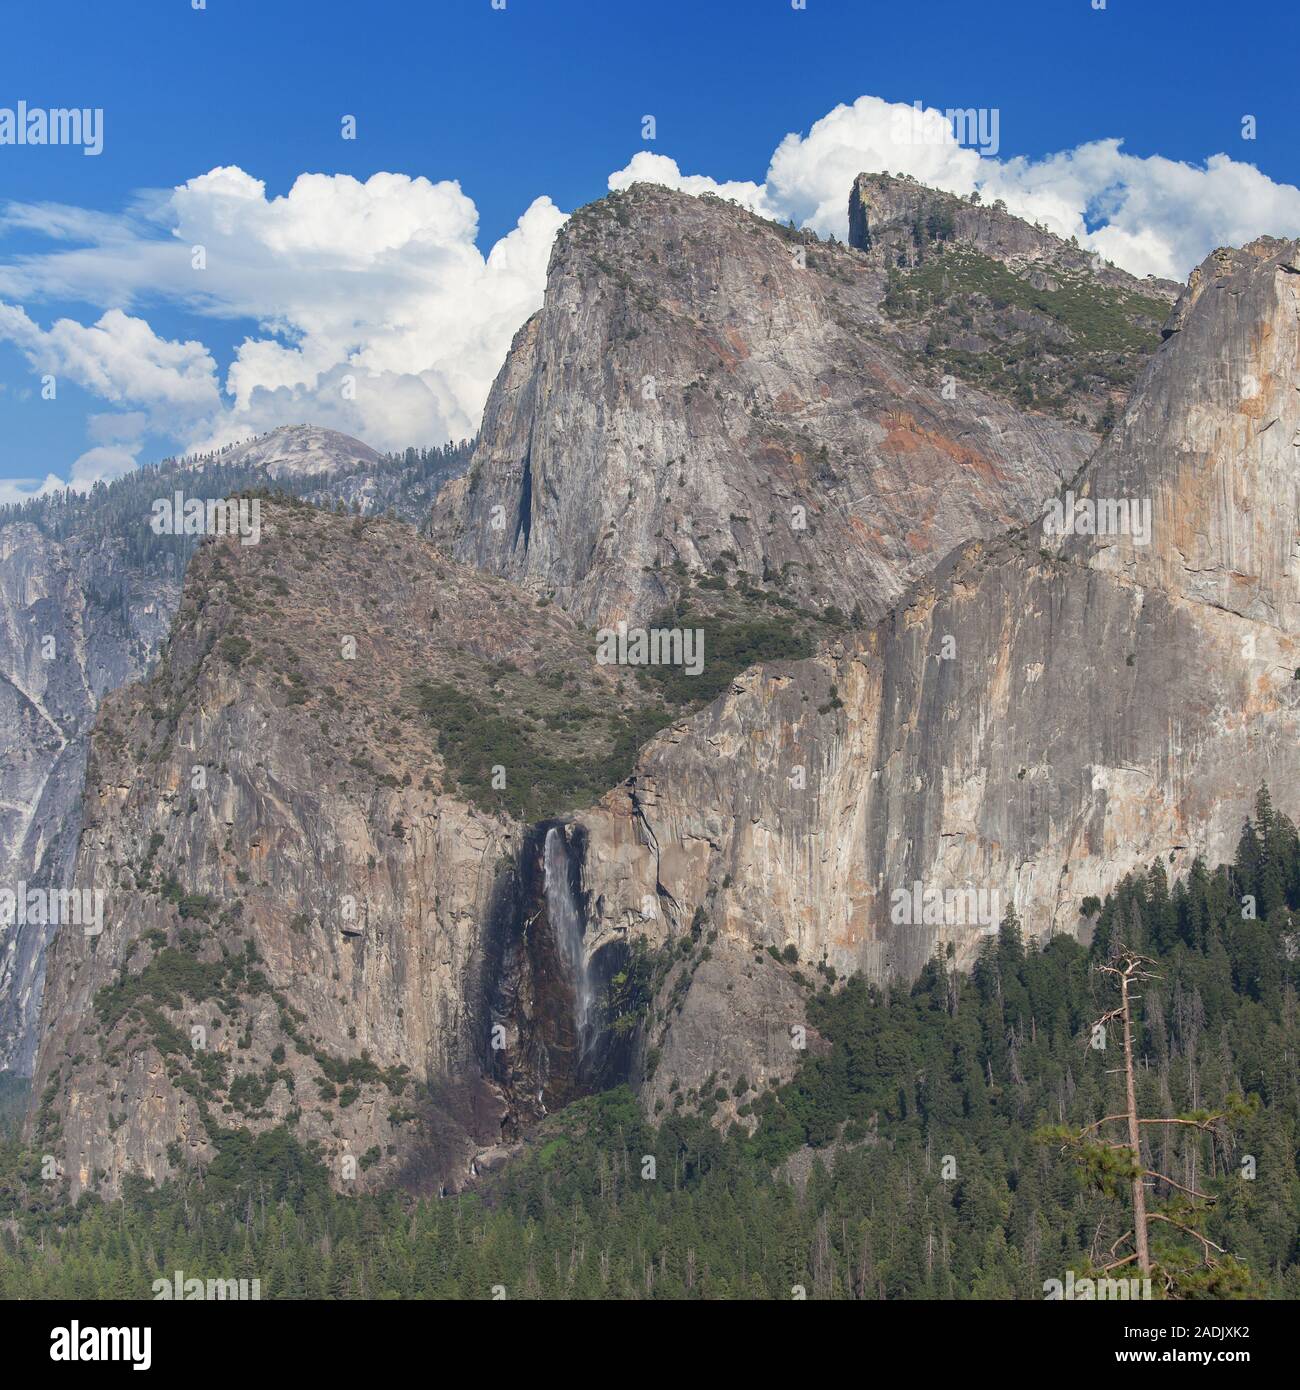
[1116, 1159]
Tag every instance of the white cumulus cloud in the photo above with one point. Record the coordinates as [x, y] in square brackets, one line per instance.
[119, 359]
[376, 312]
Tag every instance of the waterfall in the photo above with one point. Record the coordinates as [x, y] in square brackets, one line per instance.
[566, 922]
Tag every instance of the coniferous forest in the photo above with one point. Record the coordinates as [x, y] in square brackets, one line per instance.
[928, 1147]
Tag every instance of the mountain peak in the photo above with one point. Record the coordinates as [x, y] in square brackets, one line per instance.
[704, 391]
[294, 451]
[900, 222]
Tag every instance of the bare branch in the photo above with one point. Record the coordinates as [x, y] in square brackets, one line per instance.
[1117, 1244]
[1187, 1230]
[1191, 1191]
[1118, 1264]
[1097, 1124]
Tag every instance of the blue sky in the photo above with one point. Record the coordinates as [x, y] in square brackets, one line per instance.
[543, 100]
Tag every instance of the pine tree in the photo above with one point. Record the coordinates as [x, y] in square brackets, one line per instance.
[1113, 1164]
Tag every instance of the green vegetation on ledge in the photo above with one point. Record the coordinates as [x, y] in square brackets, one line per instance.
[1045, 345]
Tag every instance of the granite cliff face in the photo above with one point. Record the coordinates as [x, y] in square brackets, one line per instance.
[703, 386]
[62, 648]
[945, 749]
[315, 908]
[1042, 715]
[87, 595]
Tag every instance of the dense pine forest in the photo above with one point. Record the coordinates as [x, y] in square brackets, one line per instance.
[920, 1152]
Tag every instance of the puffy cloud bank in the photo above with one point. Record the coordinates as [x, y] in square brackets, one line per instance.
[374, 312]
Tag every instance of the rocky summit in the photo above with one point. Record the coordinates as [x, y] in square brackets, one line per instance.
[704, 388]
[998, 302]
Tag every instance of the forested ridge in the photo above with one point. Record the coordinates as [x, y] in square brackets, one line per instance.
[915, 1154]
[116, 510]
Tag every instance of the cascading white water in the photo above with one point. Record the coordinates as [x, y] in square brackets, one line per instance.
[566, 922]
